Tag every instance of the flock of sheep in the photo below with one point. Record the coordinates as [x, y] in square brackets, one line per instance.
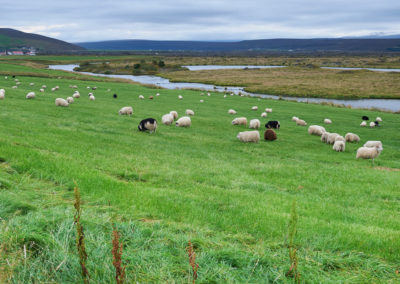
[370, 150]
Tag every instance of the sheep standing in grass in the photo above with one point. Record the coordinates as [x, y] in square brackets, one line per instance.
[339, 146]
[340, 138]
[249, 136]
[189, 112]
[2, 94]
[351, 137]
[268, 110]
[126, 111]
[148, 124]
[174, 114]
[232, 111]
[31, 84]
[372, 124]
[41, 90]
[378, 119]
[295, 118]
[301, 122]
[269, 135]
[158, 94]
[167, 119]
[254, 108]
[331, 138]
[264, 114]
[254, 124]
[369, 153]
[61, 102]
[151, 97]
[324, 137]
[373, 144]
[202, 101]
[184, 121]
[76, 95]
[239, 121]
[14, 87]
[141, 97]
[327, 121]
[180, 97]
[70, 100]
[31, 95]
[316, 130]
[92, 98]
[363, 124]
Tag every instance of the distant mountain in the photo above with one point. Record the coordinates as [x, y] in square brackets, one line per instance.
[14, 39]
[296, 45]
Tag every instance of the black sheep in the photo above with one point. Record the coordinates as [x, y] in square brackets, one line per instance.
[273, 124]
[365, 118]
[148, 124]
[115, 96]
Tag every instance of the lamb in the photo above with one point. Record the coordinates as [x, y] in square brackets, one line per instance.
[31, 95]
[268, 110]
[295, 118]
[301, 122]
[264, 114]
[331, 138]
[373, 144]
[269, 135]
[249, 136]
[327, 121]
[273, 124]
[316, 130]
[167, 119]
[378, 119]
[180, 97]
[189, 112]
[126, 111]
[141, 97]
[232, 111]
[174, 114]
[92, 98]
[324, 137]
[339, 146]
[254, 123]
[184, 121]
[340, 138]
[363, 124]
[372, 124]
[61, 102]
[70, 100]
[351, 137]
[239, 121]
[368, 153]
[254, 108]
[76, 95]
[148, 124]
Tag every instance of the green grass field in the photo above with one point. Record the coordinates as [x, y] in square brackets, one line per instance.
[232, 200]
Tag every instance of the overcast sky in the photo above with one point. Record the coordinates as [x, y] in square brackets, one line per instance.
[91, 20]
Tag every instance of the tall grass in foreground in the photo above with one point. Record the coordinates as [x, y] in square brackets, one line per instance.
[192, 260]
[293, 270]
[117, 258]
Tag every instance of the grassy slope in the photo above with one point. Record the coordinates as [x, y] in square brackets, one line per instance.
[232, 199]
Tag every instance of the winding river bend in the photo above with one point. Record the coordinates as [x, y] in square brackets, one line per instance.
[383, 104]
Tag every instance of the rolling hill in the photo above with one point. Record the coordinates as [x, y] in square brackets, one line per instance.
[14, 39]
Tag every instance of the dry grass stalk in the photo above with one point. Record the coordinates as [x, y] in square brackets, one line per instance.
[117, 258]
[192, 260]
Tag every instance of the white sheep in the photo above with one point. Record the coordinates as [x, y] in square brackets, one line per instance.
[232, 111]
[363, 124]
[141, 97]
[301, 122]
[202, 101]
[351, 137]
[339, 146]
[31, 84]
[340, 138]
[76, 95]
[6, 77]
[44, 86]
[249, 136]
[158, 94]
[327, 121]
[167, 119]
[61, 102]
[239, 121]
[18, 83]
[254, 108]
[208, 94]
[92, 98]
[316, 130]
[268, 110]
[295, 118]
[90, 94]
[2, 94]
[14, 87]
[232, 94]
[378, 119]
[254, 124]
[174, 114]
[372, 124]
[184, 121]
[368, 153]
[373, 144]
[31, 95]
[126, 111]
[324, 137]
[225, 96]
[264, 114]
[53, 89]
[180, 97]
[189, 112]
[41, 90]
[70, 100]
[331, 138]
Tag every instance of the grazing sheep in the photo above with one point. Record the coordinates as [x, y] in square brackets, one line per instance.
[44, 86]
[31, 84]
[249, 136]
[94, 88]
[90, 94]
[76, 95]
[239, 121]
[61, 102]
[232, 94]
[174, 114]
[167, 119]
[368, 153]
[41, 90]
[273, 124]
[268, 110]
[92, 98]
[324, 137]
[158, 94]
[184, 121]
[351, 137]
[148, 124]
[70, 100]
[6, 77]
[141, 97]
[377, 124]
[180, 97]
[378, 119]
[202, 101]
[372, 124]
[316, 130]
[232, 111]
[56, 87]
[254, 123]
[208, 94]
[53, 89]
[126, 111]
[14, 87]
[363, 124]
[365, 117]
[301, 122]
[373, 144]
[2, 95]
[269, 135]
[115, 96]
[340, 138]
[295, 118]
[254, 108]
[31, 95]
[331, 138]
[339, 146]
[264, 114]
[18, 83]
[151, 97]
[189, 112]
[225, 96]
[327, 121]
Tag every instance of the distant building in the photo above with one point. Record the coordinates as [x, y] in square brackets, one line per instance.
[17, 52]
[3, 53]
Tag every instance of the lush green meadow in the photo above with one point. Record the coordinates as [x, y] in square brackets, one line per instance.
[232, 200]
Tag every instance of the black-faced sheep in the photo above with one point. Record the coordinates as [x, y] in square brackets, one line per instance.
[148, 124]
[115, 96]
[365, 117]
[273, 124]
